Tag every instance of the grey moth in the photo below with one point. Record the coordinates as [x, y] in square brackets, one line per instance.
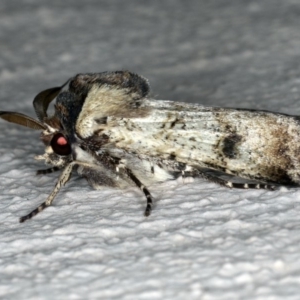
[107, 128]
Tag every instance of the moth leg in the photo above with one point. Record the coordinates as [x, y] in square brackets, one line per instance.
[264, 186]
[47, 171]
[145, 191]
[231, 184]
[62, 180]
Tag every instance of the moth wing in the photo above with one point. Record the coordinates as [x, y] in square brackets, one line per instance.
[242, 142]
[118, 94]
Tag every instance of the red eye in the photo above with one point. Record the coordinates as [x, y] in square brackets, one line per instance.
[60, 145]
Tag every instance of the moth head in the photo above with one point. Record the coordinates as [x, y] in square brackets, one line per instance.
[58, 149]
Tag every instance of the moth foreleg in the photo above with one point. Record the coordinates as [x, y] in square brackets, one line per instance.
[144, 189]
[47, 171]
[62, 180]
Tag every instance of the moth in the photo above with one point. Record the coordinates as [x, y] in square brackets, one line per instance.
[107, 128]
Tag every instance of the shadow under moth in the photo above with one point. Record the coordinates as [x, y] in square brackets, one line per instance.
[107, 128]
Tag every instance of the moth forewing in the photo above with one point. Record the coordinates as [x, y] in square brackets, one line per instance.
[105, 126]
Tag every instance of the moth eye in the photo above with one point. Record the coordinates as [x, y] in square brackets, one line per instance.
[60, 145]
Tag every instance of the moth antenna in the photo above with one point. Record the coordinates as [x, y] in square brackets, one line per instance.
[22, 120]
[43, 99]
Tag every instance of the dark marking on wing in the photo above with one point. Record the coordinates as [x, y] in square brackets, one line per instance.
[172, 156]
[174, 123]
[101, 121]
[152, 169]
[229, 145]
[95, 142]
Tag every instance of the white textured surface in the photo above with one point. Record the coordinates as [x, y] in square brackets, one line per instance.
[201, 241]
